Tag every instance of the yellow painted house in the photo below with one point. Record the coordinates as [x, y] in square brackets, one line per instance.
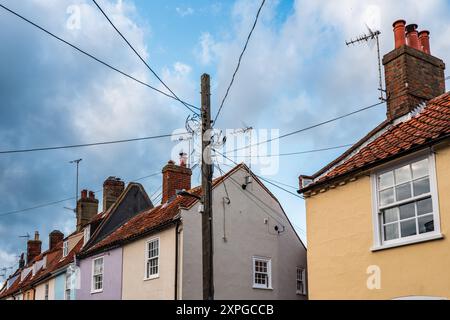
[378, 216]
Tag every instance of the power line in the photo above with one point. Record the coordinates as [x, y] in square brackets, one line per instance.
[274, 181]
[92, 56]
[4, 214]
[262, 178]
[297, 153]
[146, 64]
[281, 188]
[239, 61]
[309, 128]
[90, 144]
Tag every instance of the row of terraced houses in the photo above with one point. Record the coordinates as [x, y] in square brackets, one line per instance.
[378, 217]
[135, 250]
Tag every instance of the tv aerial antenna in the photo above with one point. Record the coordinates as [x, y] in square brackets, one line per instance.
[77, 163]
[372, 35]
[4, 272]
[27, 236]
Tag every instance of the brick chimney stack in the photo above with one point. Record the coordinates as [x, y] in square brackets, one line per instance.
[87, 208]
[112, 189]
[55, 237]
[175, 178]
[33, 247]
[412, 74]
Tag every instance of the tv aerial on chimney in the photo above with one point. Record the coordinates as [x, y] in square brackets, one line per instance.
[371, 36]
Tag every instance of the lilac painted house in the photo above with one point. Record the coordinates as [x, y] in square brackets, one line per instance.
[101, 273]
[109, 264]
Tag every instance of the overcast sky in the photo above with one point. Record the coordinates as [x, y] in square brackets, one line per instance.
[297, 72]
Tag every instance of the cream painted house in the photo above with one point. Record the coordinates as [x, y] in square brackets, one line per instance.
[257, 254]
[45, 290]
[378, 217]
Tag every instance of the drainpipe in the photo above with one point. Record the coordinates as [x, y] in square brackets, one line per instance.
[176, 261]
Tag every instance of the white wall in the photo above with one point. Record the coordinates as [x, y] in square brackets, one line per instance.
[247, 235]
[40, 290]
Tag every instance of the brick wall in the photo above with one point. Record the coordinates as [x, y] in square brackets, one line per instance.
[175, 178]
[412, 76]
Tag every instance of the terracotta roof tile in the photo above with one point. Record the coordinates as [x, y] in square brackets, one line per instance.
[54, 262]
[432, 123]
[151, 219]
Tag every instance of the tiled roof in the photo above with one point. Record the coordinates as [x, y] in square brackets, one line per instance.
[427, 126]
[54, 262]
[101, 219]
[151, 219]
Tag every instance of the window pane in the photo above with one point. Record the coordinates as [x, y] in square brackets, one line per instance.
[403, 191]
[424, 206]
[390, 215]
[421, 186]
[402, 174]
[407, 211]
[386, 180]
[387, 196]
[420, 169]
[408, 228]
[426, 224]
[391, 231]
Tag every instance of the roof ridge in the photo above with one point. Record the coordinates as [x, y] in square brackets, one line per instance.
[406, 132]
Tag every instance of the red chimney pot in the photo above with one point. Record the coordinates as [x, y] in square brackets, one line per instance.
[424, 38]
[84, 194]
[399, 33]
[412, 36]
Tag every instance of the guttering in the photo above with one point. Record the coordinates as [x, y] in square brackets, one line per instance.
[373, 164]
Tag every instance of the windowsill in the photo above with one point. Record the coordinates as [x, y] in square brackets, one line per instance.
[408, 242]
[262, 288]
[97, 291]
[152, 278]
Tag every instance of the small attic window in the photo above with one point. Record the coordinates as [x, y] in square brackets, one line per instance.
[65, 248]
[87, 234]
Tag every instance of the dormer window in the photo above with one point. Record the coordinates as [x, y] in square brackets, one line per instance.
[65, 248]
[87, 234]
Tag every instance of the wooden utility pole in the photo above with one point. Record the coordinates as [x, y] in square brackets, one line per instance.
[207, 215]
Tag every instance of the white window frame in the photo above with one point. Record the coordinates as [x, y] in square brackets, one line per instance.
[379, 243]
[302, 280]
[269, 273]
[46, 291]
[65, 249]
[67, 290]
[93, 290]
[86, 234]
[147, 258]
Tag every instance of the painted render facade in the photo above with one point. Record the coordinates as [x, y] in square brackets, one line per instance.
[241, 233]
[342, 237]
[112, 284]
[243, 229]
